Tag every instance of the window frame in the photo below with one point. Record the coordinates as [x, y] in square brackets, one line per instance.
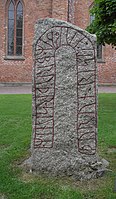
[14, 57]
[101, 59]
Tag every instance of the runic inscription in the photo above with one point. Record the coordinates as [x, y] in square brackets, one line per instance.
[45, 87]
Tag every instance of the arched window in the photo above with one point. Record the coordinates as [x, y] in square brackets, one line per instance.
[15, 28]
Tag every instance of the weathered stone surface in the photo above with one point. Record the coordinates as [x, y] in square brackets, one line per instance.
[64, 101]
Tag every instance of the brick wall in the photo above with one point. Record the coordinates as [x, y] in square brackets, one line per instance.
[20, 70]
[107, 70]
[60, 9]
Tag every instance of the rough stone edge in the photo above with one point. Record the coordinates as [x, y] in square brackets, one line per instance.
[50, 22]
[98, 170]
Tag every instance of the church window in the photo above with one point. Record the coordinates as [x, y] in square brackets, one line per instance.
[15, 28]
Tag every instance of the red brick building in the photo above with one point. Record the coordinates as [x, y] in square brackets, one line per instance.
[17, 19]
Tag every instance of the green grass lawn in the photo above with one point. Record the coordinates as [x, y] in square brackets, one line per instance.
[15, 139]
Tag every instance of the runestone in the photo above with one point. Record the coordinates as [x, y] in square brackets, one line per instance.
[64, 104]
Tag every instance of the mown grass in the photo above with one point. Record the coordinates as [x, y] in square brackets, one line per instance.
[15, 137]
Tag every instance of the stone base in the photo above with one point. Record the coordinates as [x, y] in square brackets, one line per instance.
[77, 168]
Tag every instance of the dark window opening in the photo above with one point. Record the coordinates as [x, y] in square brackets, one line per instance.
[99, 51]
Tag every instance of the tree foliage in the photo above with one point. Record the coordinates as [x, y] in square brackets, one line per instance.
[104, 24]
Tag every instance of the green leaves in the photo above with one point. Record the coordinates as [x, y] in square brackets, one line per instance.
[104, 25]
